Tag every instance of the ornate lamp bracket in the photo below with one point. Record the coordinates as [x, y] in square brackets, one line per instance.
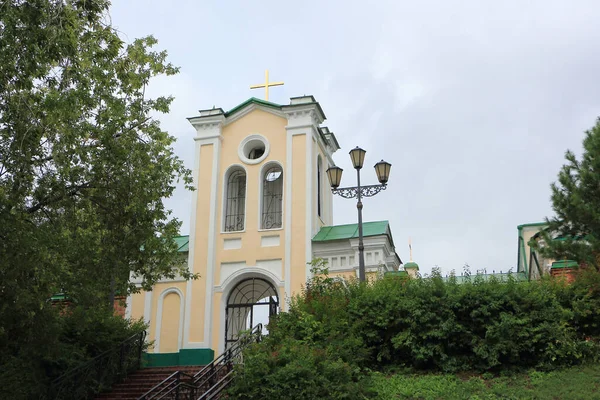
[365, 191]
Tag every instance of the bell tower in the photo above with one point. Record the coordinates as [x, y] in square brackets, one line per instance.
[261, 197]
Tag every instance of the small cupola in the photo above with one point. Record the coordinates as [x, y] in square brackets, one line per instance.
[411, 267]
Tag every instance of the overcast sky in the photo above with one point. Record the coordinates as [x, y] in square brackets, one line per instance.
[473, 102]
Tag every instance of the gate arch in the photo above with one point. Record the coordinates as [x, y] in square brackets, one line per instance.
[249, 300]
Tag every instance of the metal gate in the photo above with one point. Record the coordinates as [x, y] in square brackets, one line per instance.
[249, 301]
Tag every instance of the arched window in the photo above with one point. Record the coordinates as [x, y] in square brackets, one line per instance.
[235, 201]
[272, 196]
[319, 186]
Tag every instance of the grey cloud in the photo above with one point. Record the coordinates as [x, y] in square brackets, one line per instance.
[474, 103]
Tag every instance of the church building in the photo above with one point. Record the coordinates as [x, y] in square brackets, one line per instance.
[262, 211]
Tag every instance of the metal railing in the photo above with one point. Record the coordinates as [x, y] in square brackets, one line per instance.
[101, 372]
[211, 380]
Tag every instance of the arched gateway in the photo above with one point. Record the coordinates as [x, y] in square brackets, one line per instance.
[251, 301]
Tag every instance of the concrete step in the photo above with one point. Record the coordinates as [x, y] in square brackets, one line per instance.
[138, 383]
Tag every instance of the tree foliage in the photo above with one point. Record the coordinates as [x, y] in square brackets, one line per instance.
[84, 166]
[339, 331]
[576, 202]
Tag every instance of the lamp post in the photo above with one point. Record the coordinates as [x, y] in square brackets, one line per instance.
[382, 169]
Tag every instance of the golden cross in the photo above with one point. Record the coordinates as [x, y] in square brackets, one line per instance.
[266, 85]
[410, 248]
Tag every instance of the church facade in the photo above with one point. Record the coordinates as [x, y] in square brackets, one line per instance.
[263, 209]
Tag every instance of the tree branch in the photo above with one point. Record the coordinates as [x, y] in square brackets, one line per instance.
[70, 191]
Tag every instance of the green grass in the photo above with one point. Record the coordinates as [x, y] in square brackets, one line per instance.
[582, 382]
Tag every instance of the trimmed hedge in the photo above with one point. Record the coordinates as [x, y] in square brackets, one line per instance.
[335, 330]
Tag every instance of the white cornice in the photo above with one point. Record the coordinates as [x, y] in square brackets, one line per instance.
[302, 111]
[209, 138]
[207, 127]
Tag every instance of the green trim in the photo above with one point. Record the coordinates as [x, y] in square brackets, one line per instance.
[576, 238]
[161, 359]
[350, 231]
[565, 264]
[533, 224]
[183, 357]
[403, 274]
[60, 297]
[250, 101]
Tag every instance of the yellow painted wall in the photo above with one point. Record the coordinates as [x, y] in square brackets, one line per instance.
[348, 275]
[298, 258]
[137, 305]
[272, 127]
[169, 330]
[158, 289]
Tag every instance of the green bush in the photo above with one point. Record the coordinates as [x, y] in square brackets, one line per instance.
[334, 330]
[69, 340]
[297, 371]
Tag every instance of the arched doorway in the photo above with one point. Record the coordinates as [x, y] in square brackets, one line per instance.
[252, 301]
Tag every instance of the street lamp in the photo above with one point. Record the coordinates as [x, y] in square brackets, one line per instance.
[382, 169]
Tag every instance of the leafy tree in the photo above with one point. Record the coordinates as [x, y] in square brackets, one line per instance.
[576, 202]
[83, 166]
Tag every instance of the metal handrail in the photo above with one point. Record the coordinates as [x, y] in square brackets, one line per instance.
[217, 387]
[167, 387]
[101, 371]
[207, 376]
[230, 353]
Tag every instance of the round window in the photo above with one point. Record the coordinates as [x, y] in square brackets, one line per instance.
[253, 149]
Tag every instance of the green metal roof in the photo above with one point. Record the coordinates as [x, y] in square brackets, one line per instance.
[565, 264]
[534, 224]
[60, 297]
[411, 264]
[250, 101]
[350, 231]
[183, 243]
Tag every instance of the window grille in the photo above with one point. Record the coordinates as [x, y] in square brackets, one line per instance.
[272, 205]
[235, 206]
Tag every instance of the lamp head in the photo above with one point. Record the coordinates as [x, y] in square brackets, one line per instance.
[382, 169]
[335, 176]
[357, 155]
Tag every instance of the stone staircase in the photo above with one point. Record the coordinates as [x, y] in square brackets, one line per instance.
[143, 380]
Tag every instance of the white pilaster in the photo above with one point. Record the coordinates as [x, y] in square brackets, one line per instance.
[208, 131]
[304, 119]
[288, 217]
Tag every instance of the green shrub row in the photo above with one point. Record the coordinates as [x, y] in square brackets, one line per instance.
[423, 324]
